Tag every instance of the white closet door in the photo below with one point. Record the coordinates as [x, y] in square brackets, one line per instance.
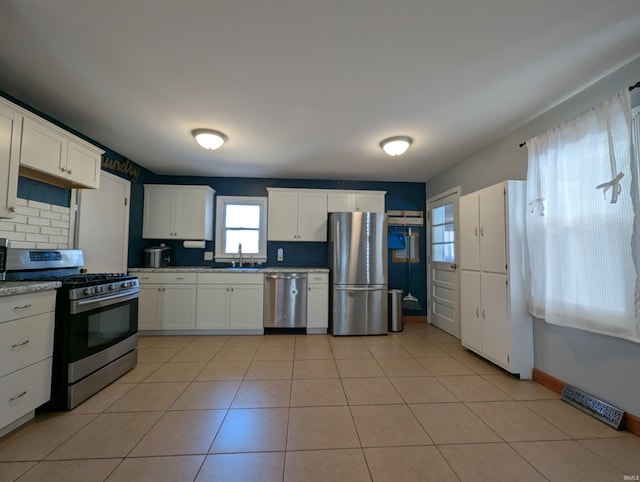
[469, 232]
[470, 310]
[495, 321]
[492, 229]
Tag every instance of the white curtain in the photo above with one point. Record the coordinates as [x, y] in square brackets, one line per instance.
[583, 222]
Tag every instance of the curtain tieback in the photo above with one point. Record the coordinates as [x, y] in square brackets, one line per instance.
[537, 203]
[615, 187]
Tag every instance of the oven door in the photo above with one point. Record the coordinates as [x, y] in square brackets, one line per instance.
[100, 322]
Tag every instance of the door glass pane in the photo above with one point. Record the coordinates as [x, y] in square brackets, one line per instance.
[443, 252]
[443, 234]
[442, 214]
[242, 216]
[248, 238]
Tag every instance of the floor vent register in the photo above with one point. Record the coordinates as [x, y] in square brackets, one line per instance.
[596, 408]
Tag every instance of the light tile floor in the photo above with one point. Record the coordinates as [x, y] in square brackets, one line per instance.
[411, 406]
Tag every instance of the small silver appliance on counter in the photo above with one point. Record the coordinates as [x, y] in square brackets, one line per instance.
[157, 256]
[285, 300]
[358, 262]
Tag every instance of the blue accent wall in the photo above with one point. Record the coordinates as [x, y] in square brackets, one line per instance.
[42, 192]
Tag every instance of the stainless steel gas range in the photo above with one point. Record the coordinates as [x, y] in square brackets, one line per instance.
[96, 322]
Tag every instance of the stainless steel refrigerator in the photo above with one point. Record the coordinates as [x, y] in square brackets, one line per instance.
[358, 263]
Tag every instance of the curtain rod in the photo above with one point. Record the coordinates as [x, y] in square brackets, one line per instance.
[631, 87]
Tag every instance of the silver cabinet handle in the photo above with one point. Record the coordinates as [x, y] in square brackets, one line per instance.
[475, 231]
[63, 169]
[22, 307]
[11, 209]
[481, 230]
[477, 312]
[483, 317]
[231, 288]
[13, 399]
[69, 171]
[17, 345]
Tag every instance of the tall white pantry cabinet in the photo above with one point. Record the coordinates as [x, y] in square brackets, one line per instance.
[494, 321]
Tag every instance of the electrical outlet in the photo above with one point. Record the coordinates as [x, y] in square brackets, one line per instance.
[280, 254]
[208, 255]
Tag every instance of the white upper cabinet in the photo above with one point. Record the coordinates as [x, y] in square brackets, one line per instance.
[482, 230]
[10, 130]
[52, 155]
[348, 201]
[297, 215]
[178, 212]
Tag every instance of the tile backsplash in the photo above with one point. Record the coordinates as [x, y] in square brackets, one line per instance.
[38, 225]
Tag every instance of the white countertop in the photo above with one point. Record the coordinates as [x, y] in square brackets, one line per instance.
[12, 288]
[205, 269]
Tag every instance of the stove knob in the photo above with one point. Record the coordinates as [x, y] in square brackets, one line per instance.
[125, 285]
[100, 289]
[112, 287]
[88, 291]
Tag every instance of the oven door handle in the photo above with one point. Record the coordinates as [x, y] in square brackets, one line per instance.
[93, 303]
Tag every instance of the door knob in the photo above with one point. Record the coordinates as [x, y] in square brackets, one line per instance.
[454, 266]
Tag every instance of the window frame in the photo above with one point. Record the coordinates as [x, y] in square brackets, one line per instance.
[221, 203]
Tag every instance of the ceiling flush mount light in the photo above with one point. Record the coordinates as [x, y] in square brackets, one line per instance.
[396, 146]
[209, 139]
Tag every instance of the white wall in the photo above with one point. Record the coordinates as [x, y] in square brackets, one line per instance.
[604, 366]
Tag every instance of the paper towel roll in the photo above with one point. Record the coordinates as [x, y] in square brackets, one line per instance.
[194, 244]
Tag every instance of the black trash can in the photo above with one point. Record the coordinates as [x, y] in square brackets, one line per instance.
[395, 310]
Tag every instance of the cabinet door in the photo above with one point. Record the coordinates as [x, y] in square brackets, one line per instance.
[283, 216]
[470, 310]
[43, 149]
[245, 307]
[341, 201]
[212, 311]
[469, 232]
[179, 306]
[83, 165]
[149, 304]
[492, 229]
[495, 321]
[10, 130]
[318, 306]
[312, 216]
[157, 221]
[193, 215]
[370, 202]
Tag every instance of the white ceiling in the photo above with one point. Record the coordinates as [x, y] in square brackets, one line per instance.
[306, 88]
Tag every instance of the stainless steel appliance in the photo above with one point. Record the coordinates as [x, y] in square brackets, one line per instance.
[285, 300]
[96, 324]
[3, 257]
[358, 263]
[157, 256]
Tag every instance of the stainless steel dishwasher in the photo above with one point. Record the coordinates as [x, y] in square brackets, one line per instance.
[285, 300]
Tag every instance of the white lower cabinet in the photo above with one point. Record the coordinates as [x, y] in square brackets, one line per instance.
[318, 303]
[229, 301]
[26, 332]
[167, 301]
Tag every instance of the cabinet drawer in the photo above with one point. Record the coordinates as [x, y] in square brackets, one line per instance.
[24, 390]
[231, 278]
[25, 341]
[318, 278]
[21, 306]
[163, 278]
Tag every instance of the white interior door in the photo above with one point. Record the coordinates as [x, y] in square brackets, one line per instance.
[443, 262]
[102, 228]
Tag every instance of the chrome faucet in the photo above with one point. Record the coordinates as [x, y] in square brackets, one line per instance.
[240, 255]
